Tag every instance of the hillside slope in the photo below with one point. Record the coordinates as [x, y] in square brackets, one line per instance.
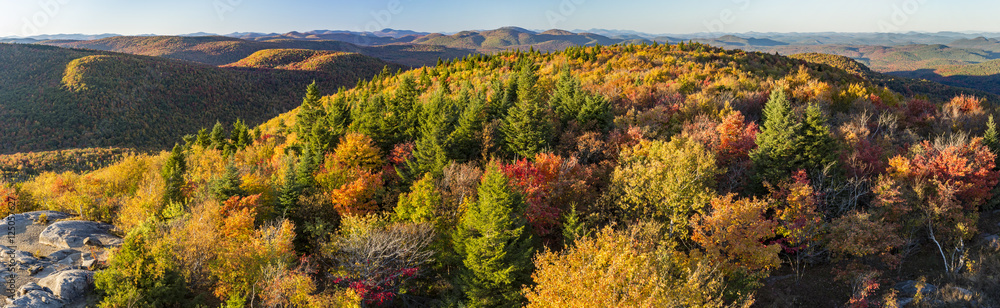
[220, 50]
[55, 98]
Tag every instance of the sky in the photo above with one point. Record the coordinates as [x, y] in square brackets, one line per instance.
[36, 17]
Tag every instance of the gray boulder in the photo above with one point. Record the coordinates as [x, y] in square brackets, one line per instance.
[62, 254]
[31, 295]
[24, 257]
[69, 284]
[31, 286]
[36, 299]
[909, 288]
[71, 234]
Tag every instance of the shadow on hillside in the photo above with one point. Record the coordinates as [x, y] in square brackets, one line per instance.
[988, 83]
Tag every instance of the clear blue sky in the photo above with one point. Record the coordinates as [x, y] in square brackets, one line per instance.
[18, 17]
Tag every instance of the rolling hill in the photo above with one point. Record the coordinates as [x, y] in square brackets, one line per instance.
[220, 50]
[516, 38]
[55, 98]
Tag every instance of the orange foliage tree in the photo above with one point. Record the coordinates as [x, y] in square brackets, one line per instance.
[944, 183]
[734, 232]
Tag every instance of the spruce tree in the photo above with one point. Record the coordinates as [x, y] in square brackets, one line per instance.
[218, 136]
[338, 116]
[228, 185]
[526, 130]
[494, 244]
[311, 110]
[203, 138]
[240, 136]
[288, 194]
[776, 141]
[992, 141]
[173, 176]
[465, 142]
[816, 149]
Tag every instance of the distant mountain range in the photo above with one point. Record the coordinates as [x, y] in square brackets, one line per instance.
[388, 36]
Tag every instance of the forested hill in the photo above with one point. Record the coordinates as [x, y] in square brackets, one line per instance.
[640, 175]
[56, 98]
[220, 50]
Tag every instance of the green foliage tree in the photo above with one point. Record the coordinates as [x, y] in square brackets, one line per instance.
[228, 185]
[570, 102]
[776, 140]
[465, 142]
[240, 136]
[992, 141]
[421, 204]
[338, 116]
[142, 273]
[218, 136]
[173, 175]
[495, 245]
[311, 110]
[815, 145]
[786, 144]
[203, 139]
[526, 129]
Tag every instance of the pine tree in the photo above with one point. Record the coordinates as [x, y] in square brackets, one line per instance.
[406, 107]
[816, 148]
[465, 142]
[526, 130]
[218, 136]
[776, 140]
[338, 116]
[288, 194]
[992, 141]
[240, 136]
[495, 246]
[173, 176]
[311, 110]
[228, 185]
[203, 139]
[565, 99]
[527, 80]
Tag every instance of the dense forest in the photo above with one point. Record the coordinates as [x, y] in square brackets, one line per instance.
[622, 176]
[56, 98]
[219, 50]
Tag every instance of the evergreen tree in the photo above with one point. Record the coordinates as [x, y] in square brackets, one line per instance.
[992, 141]
[776, 140]
[437, 122]
[990, 138]
[173, 176]
[338, 116]
[406, 106]
[218, 136]
[570, 102]
[465, 142]
[816, 148]
[203, 139]
[526, 130]
[786, 143]
[288, 194]
[311, 110]
[527, 80]
[495, 246]
[304, 171]
[240, 136]
[228, 185]
[565, 99]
